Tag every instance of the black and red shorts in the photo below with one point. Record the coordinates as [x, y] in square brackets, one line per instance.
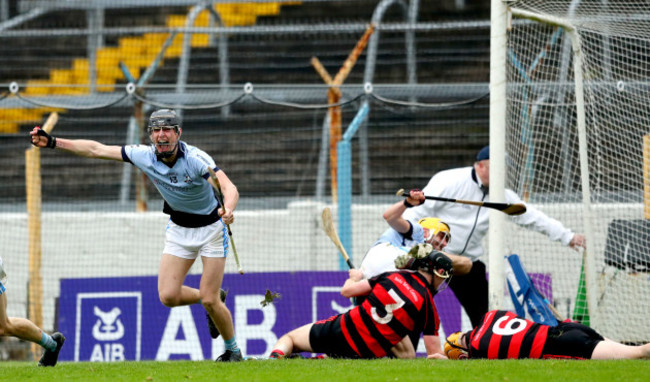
[571, 340]
[326, 337]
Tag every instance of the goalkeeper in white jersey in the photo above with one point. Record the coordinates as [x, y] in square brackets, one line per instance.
[403, 234]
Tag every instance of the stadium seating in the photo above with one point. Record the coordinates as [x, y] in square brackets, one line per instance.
[267, 59]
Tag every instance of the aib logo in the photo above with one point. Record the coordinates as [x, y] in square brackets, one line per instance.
[108, 326]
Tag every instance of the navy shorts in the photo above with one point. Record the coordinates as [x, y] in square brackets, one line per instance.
[326, 336]
[571, 340]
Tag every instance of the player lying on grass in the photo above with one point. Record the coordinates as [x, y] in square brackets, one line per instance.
[403, 234]
[197, 221]
[26, 330]
[398, 309]
[503, 335]
[398, 239]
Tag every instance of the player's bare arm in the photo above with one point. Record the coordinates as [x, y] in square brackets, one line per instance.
[404, 348]
[230, 196]
[462, 264]
[433, 345]
[355, 274]
[355, 285]
[393, 214]
[81, 147]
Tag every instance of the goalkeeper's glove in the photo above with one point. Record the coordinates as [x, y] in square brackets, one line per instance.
[421, 250]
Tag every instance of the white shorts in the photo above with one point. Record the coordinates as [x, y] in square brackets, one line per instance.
[3, 277]
[380, 259]
[188, 243]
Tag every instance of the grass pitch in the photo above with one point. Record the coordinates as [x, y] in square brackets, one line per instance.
[330, 370]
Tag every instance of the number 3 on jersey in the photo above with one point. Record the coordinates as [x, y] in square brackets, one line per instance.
[512, 326]
[389, 308]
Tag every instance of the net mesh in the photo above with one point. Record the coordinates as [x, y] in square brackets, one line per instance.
[543, 152]
[98, 251]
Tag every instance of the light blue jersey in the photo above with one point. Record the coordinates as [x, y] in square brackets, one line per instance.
[397, 239]
[184, 186]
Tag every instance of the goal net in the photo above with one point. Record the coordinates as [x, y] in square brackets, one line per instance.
[576, 122]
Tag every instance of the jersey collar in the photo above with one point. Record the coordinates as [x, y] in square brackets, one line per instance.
[478, 181]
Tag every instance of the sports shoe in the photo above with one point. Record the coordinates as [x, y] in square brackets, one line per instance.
[276, 355]
[230, 356]
[214, 332]
[50, 358]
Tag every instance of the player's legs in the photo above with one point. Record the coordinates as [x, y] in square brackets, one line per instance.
[171, 276]
[182, 245]
[471, 290]
[15, 326]
[214, 246]
[609, 349]
[26, 330]
[213, 270]
[296, 341]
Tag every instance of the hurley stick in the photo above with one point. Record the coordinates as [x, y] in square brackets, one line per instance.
[328, 227]
[506, 208]
[217, 187]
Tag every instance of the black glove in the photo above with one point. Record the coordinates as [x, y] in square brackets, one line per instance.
[51, 141]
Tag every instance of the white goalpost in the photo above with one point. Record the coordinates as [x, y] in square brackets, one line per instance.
[571, 120]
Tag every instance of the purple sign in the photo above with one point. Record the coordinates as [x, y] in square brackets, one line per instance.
[113, 319]
[118, 319]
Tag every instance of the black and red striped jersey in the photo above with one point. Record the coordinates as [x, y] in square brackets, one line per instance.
[400, 304]
[503, 334]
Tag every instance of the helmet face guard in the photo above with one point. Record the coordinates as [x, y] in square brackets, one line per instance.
[437, 229]
[443, 274]
[454, 348]
[164, 120]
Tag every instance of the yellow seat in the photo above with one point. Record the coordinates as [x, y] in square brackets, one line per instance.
[136, 53]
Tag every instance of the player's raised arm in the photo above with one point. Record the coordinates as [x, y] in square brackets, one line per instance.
[393, 214]
[81, 147]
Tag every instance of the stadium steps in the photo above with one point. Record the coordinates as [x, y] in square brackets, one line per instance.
[264, 154]
[282, 63]
[289, 61]
[138, 52]
[265, 161]
[135, 52]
